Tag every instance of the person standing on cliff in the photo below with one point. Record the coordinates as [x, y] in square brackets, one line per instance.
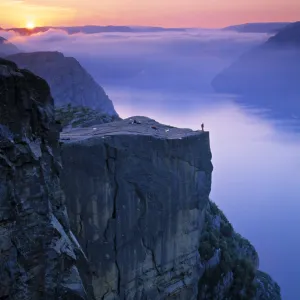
[202, 126]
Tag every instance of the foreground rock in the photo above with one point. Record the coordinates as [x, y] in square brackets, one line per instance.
[136, 193]
[70, 83]
[38, 252]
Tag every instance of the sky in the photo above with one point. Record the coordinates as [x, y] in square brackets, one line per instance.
[167, 13]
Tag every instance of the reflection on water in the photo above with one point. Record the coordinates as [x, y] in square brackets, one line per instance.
[256, 170]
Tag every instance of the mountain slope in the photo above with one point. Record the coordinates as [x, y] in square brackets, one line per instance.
[289, 36]
[70, 83]
[272, 68]
[7, 48]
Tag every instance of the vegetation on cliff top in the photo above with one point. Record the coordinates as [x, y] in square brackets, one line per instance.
[79, 116]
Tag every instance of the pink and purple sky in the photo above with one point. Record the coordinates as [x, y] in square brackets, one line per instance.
[167, 13]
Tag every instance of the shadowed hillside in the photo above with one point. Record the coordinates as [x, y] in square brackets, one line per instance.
[272, 68]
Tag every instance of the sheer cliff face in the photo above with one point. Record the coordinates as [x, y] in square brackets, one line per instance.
[38, 252]
[136, 196]
[70, 83]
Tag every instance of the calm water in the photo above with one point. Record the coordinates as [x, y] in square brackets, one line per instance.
[256, 170]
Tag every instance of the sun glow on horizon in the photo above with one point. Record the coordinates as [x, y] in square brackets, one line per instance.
[165, 13]
[30, 25]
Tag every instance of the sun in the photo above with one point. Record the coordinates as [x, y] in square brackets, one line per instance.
[30, 25]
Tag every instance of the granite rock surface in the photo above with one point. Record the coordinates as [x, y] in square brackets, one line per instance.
[38, 252]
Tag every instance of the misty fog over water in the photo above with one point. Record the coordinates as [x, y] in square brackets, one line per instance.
[256, 170]
[256, 149]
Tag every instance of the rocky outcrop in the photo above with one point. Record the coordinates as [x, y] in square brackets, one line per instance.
[70, 83]
[38, 252]
[7, 48]
[266, 287]
[136, 193]
[231, 263]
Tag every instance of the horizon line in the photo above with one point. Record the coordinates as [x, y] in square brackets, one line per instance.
[147, 26]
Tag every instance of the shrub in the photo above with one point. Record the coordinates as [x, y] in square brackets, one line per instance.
[226, 229]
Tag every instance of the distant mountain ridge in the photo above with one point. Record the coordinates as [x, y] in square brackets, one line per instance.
[288, 36]
[273, 67]
[91, 29]
[70, 83]
[268, 27]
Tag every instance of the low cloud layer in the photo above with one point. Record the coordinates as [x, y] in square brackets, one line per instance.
[59, 40]
[166, 59]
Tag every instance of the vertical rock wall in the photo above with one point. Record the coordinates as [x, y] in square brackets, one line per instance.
[38, 252]
[136, 192]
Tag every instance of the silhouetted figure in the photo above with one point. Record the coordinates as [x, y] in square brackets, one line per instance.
[202, 126]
